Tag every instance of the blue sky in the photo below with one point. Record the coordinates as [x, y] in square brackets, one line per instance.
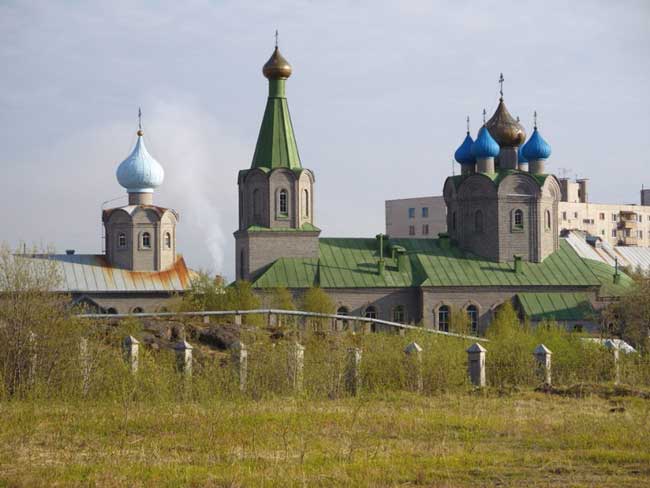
[379, 96]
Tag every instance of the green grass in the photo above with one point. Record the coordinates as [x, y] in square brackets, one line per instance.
[392, 439]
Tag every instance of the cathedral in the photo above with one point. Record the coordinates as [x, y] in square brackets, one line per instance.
[502, 241]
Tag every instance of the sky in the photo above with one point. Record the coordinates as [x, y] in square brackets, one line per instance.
[378, 97]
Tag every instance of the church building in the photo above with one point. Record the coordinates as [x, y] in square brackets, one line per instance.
[502, 241]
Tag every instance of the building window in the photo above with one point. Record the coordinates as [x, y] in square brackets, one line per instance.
[411, 213]
[305, 203]
[601, 216]
[111, 311]
[627, 232]
[411, 230]
[146, 240]
[257, 204]
[614, 217]
[547, 220]
[575, 215]
[284, 202]
[563, 215]
[602, 232]
[370, 312]
[242, 267]
[121, 240]
[168, 240]
[640, 234]
[137, 310]
[453, 221]
[518, 220]
[343, 311]
[443, 318]
[398, 314]
[425, 229]
[613, 232]
[425, 212]
[472, 314]
[478, 222]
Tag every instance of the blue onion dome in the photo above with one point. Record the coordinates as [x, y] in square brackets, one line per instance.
[140, 172]
[520, 155]
[464, 152]
[485, 146]
[536, 147]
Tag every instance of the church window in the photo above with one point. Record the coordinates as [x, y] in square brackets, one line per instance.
[121, 240]
[343, 311]
[111, 311]
[257, 203]
[284, 202]
[518, 219]
[547, 220]
[453, 221]
[305, 203]
[370, 312]
[168, 240]
[478, 222]
[146, 240]
[242, 267]
[137, 310]
[472, 314]
[443, 318]
[398, 314]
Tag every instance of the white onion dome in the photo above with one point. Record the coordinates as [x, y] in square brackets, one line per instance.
[140, 172]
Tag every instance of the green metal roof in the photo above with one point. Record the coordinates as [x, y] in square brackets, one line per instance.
[276, 144]
[555, 306]
[352, 263]
[306, 227]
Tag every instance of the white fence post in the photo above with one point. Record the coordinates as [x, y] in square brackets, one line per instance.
[296, 365]
[131, 348]
[476, 364]
[353, 371]
[543, 356]
[240, 363]
[414, 363]
[183, 351]
[613, 346]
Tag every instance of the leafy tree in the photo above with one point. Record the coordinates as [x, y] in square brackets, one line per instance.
[459, 321]
[282, 299]
[316, 299]
[630, 317]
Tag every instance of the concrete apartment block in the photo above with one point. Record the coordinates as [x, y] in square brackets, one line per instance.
[423, 217]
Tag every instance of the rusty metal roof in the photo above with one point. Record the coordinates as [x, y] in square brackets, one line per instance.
[85, 273]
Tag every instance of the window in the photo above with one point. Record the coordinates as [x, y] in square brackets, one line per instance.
[343, 311]
[305, 202]
[137, 310]
[425, 229]
[257, 203]
[518, 219]
[547, 220]
[453, 221]
[284, 202]
[168, 240]
[146, 240]
[640, 232]
[121, 240]
[472, 314]
[342, 323]
[370, 312]
[425, 212]
[563, 215]
[443, 318]
[242, 267]
[601, 215]
[111, 311]
[398, 314]
[614, 217]
[602, 232]
[627, 232]
[577, 328]
[613, 232]
[411, 230]
[575, 215]
[411, 213]
[478, 222]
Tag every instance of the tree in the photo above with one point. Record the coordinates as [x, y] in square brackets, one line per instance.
[282, 299]
[630, 316]
[315, 299]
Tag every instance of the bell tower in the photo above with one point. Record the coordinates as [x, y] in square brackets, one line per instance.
[276, 195]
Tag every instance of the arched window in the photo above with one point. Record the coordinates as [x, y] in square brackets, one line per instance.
[547, 220]
[343, 311]
[341, 324]
[398, 314]
[111, 311]
[370, 312]
[121, 240]
[257, 203]
[146, 240]
[472, 314]
[137, 310]
[168, 240]
[478, 222]
[518, 219]
[284, 202]
[242, 266]
[443, 318]
[453, 221]
[305, 202]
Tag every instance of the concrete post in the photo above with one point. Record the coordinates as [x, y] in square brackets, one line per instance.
[613, 346]
[183, 351]
[206, 319]
[353, 371]
[543, 357]
[237, 319]
[476, 364]
[272, 320]
[296, 366]
[413, 353]
[84, 359]
[239, 356]
[130, 347]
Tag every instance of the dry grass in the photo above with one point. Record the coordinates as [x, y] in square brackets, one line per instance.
[398, 439]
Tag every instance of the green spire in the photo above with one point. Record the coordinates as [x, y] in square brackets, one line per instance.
[276, 144]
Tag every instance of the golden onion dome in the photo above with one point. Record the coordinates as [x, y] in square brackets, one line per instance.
[504, 128]
[277, 68]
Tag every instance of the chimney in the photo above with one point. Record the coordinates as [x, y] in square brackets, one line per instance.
[69, 252]
[582, 190]
[381, 265]
[645, 196]
[401, 258]
[443, 240]
[518, 264]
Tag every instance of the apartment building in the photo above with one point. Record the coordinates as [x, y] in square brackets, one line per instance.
[422, 217]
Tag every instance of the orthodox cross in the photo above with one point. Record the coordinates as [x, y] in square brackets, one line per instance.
[139, 118]
[276, 38]
[535, 119]
[501, 83]
[468, 124]
[484, 113]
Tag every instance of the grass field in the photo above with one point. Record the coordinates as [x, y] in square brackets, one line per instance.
[399, 439]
